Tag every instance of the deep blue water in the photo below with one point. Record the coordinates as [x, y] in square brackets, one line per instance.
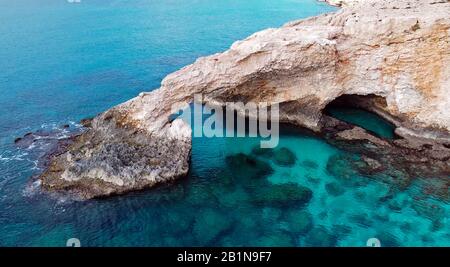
[62, 62]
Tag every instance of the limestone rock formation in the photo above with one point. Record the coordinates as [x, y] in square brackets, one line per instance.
[398, 50]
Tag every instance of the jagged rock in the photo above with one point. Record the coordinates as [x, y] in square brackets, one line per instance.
[398, 50]
[114, 157]
[87, 122]
[357, 133]
[281, 156]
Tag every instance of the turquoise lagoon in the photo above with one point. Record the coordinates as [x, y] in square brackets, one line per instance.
[61, 62]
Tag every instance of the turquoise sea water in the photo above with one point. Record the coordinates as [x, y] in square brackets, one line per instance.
[62, 62]
[368, 120]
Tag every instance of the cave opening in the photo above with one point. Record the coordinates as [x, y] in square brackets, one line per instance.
[361, 110]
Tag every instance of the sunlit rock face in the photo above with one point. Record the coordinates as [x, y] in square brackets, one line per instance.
[398, 50]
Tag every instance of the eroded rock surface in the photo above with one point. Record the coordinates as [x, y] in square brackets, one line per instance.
[398, 50]
[116, 156]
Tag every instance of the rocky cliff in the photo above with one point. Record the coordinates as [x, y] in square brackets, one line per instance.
[397, 51]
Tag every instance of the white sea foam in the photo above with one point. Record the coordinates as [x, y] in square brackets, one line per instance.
[31, 189]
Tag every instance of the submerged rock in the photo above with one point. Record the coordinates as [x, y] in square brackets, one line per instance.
[300, 221]
[282, 195]
[343, 167]
[339, 166]
[263, 152]
[360, 195]
[334, 189]
[395, 206]
[284, 157]
[397, 51]
[241, 165]
[372, 166]
[312, 179]
[323, 215]
[439, 188]
[87, 122]
[406, 227]
[281, 156]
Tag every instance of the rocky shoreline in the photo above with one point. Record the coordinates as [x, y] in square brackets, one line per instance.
[396, 50]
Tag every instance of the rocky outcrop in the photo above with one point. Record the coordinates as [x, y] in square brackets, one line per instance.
[397, 50]
[116, 156]
[341, 3]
